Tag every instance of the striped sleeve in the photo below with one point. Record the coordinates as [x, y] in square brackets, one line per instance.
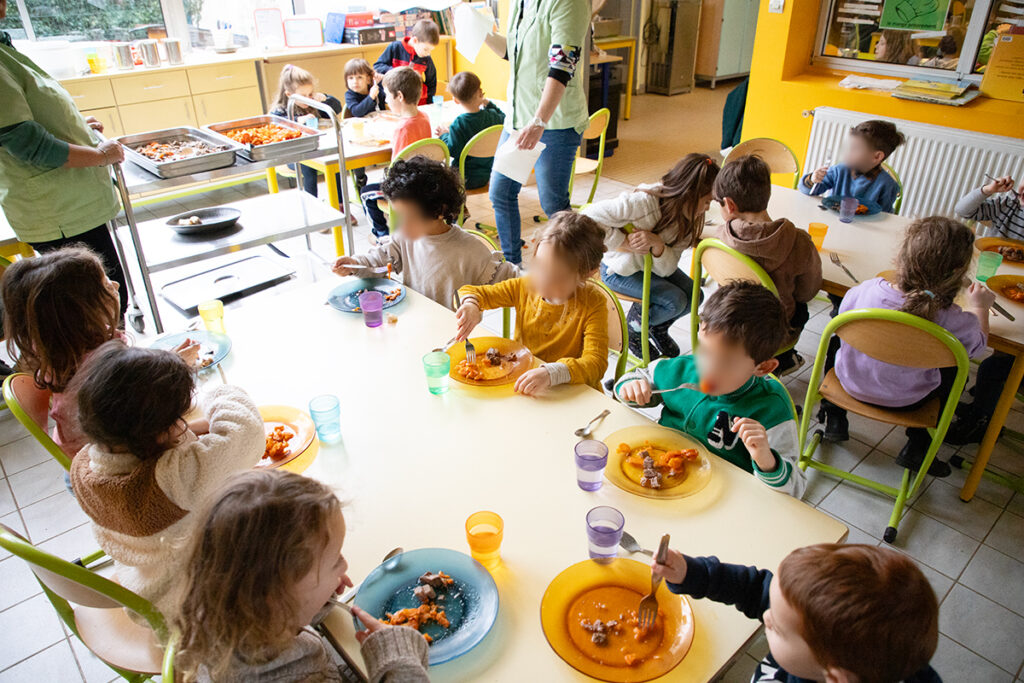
[787, 477]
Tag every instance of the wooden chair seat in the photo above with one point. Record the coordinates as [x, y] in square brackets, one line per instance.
[478, 190]
[926, 416]
[586, 165]
[116, 639]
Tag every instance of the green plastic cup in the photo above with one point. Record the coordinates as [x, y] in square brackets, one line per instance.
[988, 264]
[436, 365]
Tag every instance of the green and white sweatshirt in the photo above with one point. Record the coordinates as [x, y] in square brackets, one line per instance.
[709, 418]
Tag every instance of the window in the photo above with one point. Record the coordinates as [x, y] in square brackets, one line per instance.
[1001, 19]
[78, 20]
[13, 24]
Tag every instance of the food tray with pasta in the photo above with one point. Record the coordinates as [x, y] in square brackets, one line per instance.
[175, 152]
[267, 136]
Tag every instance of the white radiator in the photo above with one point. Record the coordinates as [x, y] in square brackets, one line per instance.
[937, 165]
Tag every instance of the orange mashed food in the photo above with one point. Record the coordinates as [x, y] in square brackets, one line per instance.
[414, 617]
[1014, 292]
[624, 642]
[262, 135]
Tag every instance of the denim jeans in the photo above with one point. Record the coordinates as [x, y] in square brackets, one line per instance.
[670, 296]
[553, 170]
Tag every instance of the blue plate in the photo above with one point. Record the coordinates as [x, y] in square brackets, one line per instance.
[832, 204]
[212, 345]
[471, 603]
[345, 297]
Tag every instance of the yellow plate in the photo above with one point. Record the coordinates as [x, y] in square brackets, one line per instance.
[575, 582]
[997, 283]
[303, 446]
[990, 244]
[627, 477]
[505, 375]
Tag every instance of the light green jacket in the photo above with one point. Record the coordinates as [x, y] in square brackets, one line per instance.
[532, 30]
[47, 204]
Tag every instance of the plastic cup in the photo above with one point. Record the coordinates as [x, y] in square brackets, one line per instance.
[484, 533]
[591, 458]
[988, 264]
[817, 232]
[604, 531]
[326, 413]
[436, 365]
[848, 209]
[212, 313]
[372, 305]
[358, 129]
[439, 100]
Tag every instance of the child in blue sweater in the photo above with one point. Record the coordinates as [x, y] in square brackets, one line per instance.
[861, 174]
[835, 613]
[363, 96]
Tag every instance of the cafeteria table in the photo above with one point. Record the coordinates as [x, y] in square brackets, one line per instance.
[412, 466]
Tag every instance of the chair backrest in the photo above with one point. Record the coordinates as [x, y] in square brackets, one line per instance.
[598, 124]
[31, 407]
[895, 176]
[898, 338]
[432, 148]
[777, 154]
[506, 313]
[617, 330]
[597, 128]
[483, 145]
[483, 238]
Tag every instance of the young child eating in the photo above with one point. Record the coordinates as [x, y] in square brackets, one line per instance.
[145, 470]
[265, 559]
[833, 613]
[413, 51]
[1005, 212]
[738, 413]
[478, 113]
[861, 174]
[434, 257]
[560, 317]
[363, 94]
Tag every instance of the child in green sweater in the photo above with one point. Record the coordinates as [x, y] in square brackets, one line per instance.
[480, 113]
[738, 412]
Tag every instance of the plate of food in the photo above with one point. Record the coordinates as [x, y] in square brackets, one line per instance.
[213, 346]
[345, 297]
[498, 361]
[865, 207]
[290, 433]
[204, 220]
[1012, 251]
[656, 462]
[1008, 286]
[446, 595]
[589, 617]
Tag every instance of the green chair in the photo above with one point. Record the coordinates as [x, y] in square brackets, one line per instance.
[31, 408]
[506, 313]
[899, 197]
[777, 154]
[431, 148]
[899, 339]
[483, 145]
[645, 310]
[597, 128]
[617, 330]
[93, 608]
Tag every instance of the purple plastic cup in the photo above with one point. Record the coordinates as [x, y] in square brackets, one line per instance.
[848, 209]
[372, 304]
[604, 531]
[591, 458]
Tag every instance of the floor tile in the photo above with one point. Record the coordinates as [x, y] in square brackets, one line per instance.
[37, 482]
[742, 670]
[7, 504]
[844, 456]
[10, 428]
[72, 544]
[18, 581]
[22, 454]
[28, 628]
[881, 468]
[1008, 535]
[935, 544]
[954, 662]
[93, 669]
[859, 506]
[55, 663]
[998, 577]
[867, 431]
[52, 516]
[988, 490]
[12, 520]
[1003, 457]
[983, 626]
[942, 501]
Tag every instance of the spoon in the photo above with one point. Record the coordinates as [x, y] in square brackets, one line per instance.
[585, 432]
[388, 562]
[630, 545]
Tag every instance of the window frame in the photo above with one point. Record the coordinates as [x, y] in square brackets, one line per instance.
[968, 51]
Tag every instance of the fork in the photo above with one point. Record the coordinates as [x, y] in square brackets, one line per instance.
[834, 257]
[376, 270]
[470, 353]
[648, 610]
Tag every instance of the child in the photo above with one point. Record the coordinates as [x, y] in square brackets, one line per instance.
[930, 270]
[145, 469]
[363, 96]
[667, 219]
[265, 559]
[1006, 212]
[560, 317]
[414, 51]
[786, 253]
[479, 113]
[832, 612]
[401, 88]
[434, 256]
[738, 413]
[861, 174]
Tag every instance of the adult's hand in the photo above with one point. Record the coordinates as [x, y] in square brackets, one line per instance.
[112, 151]
[529, 137]
[94, 123]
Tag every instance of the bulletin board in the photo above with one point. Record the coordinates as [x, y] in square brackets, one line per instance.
[914, 15]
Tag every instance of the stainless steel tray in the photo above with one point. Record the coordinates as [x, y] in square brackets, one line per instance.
[174, 169]
[309, 140]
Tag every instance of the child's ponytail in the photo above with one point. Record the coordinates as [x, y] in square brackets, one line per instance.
[932, 263]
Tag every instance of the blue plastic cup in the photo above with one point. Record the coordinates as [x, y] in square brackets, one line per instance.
[604, 531]
[439, 100]
[591, 458]
[326, 413]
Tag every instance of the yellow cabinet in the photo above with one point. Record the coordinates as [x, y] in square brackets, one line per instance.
[144, 116]
[159, 85]
[222, 77]
[110, 118]
[91, 93]
[225, 106]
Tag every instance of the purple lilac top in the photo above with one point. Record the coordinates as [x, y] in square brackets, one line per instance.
[894, 386]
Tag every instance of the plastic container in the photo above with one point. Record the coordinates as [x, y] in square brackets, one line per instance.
[604, 531]
[326, 413]
[591, 459]
[436, 366]
[485, 531]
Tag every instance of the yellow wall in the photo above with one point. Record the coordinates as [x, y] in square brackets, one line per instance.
[783, 85]
[492, 69]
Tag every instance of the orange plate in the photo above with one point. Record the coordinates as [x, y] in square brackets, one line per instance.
[991, 243]
[627, 477]
[997, 283]
[304, 445]
[524, 360]
[578, 585]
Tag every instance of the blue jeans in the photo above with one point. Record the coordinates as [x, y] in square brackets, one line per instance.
[553, 171]
[670, 296]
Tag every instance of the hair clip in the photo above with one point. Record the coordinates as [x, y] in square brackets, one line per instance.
[929, 293]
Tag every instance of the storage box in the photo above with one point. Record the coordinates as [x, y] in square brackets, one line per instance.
[357, 19]
[366, 35]
[603, 28]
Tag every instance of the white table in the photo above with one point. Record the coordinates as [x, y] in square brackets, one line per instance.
[479, 449]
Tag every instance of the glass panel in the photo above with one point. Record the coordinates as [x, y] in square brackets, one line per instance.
[1002, 17]
[13, 24]
[227, 24]
[96, 19]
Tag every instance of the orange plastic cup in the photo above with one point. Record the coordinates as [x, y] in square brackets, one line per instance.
[484, 533]
[818, 232]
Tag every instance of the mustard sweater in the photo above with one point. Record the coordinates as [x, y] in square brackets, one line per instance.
[574, 333]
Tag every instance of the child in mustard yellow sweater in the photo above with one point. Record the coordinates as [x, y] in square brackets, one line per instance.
[560, 316]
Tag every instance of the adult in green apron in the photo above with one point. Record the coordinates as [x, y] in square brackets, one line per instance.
[544, 44]
[55, 187]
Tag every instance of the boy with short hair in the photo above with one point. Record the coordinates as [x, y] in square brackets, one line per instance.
[414, 51]
[738, 413]
[479, 113]
[787, 254]
[835, 613]
[861, 174]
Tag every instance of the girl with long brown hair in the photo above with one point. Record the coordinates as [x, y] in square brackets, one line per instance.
[664, 219]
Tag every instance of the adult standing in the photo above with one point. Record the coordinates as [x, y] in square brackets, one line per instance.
[544, 44]
[55, 188]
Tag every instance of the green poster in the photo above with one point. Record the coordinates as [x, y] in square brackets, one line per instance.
[914, 15]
